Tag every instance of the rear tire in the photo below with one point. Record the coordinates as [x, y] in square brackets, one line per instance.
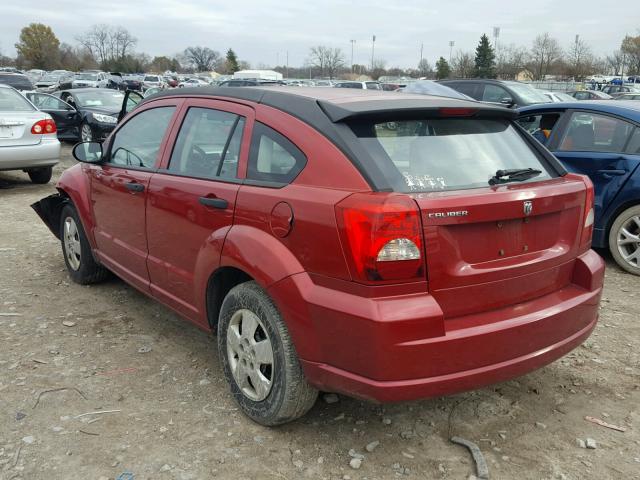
[86, 133]
[624, 240]
[270, 388]
[78, 258]
[40, 175]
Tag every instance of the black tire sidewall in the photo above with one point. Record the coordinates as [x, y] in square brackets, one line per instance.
[243, 296]
[40, 175]
[613, 239]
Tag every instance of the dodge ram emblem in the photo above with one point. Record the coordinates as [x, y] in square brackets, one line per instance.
[528, 208]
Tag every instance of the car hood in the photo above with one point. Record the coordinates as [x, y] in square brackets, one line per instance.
[102, 110]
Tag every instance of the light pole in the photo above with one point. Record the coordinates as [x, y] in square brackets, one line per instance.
[287, 71]
[421, 50]
[452, 44]
[352, 44]
[496, 34]
[373, 49]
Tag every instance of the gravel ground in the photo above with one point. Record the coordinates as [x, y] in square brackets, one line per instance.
[165, 412]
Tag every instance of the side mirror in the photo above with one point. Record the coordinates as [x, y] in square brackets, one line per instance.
[507, 101]
[88, 152]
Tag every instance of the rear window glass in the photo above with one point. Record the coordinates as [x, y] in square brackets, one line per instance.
[20, 82]
[12, 101]
[446, 153]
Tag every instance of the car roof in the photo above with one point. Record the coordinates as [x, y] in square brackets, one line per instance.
[314, 105]
[625, 108]
[88, 89]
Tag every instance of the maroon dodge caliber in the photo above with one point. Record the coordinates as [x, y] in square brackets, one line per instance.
[384, 246]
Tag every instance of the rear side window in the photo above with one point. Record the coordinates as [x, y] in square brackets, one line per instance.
[469, 89]
[273, 158]
[208, 145]
[591, 132]
[446, 153]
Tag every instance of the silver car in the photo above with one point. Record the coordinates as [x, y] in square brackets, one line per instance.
[28, 139]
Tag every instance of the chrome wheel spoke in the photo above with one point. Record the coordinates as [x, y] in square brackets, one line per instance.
[72, 246]
[636, 220]
[249, 325]
[233, 339]
[263, 352]
[260, 383]
[251, 361]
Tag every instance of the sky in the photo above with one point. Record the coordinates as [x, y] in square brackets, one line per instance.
[262, 32]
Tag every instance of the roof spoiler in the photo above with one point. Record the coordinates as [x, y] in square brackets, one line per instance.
[409, 108]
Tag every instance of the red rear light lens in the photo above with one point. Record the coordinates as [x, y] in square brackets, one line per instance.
[382, 237]
[44, 127]
[457, 112]
[588, 215]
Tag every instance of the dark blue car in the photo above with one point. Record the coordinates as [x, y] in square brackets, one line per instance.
[600, 139]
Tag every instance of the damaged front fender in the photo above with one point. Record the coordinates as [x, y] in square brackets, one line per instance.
[49, 209]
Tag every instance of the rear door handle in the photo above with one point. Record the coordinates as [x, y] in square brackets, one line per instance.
[135, 187]
[612, 172]
[220, 203]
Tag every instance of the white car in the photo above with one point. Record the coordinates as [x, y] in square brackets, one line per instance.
[90, 79]
[152, 81]
[193, 82]
[559, 97]
[359, 85]
[28, 137]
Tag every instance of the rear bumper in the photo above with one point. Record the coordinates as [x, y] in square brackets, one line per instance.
[395, 349]
[44, 154]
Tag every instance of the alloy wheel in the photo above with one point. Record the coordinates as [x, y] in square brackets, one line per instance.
[72, 248]
[86, 134]
[629, 241]
[250, 355]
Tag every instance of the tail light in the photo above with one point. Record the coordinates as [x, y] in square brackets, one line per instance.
[43, 127]
[382, 237]
[589, 213]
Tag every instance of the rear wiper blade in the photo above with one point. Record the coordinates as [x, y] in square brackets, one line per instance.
[514, 175]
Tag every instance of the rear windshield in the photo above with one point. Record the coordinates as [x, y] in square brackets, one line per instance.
[446, 153]
[20, 82]
[12, 101]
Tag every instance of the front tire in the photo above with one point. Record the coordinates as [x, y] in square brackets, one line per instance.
[259, 360]
[624, 240]
[86, 133]
[81, 265]
[40, 175]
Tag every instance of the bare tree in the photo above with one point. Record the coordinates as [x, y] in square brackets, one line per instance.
[327, 59]
[463, 65]
[579, 59]
[425, 69]
[108, 44]
[615, 61]
[511, 61]
[631, 49]
[202, 59]
[544, 52]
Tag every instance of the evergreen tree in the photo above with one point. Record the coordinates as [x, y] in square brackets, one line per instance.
[443, 70]
[231, 64]
[485, 59]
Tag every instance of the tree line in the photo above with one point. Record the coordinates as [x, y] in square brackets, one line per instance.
[112, 48]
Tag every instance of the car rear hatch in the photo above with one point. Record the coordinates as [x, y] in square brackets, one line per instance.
[490, 239]
[492, 247]
[15, 128]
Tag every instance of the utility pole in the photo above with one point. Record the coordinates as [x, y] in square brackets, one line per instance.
[496, 34]
[421, 50]
[287, 71]
[373, 48]
[452, 44]
[352, 43]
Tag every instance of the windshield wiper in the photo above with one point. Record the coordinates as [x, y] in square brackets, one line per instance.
[513, 175]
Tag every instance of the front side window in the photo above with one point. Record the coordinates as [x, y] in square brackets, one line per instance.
[208, 145]
[138, 141]
[446, 153]
[592, 132]
[273, 158]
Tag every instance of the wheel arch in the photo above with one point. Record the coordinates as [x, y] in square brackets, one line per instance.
[219, 284]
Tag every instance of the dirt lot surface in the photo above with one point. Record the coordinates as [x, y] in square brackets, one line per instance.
[166, 412]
